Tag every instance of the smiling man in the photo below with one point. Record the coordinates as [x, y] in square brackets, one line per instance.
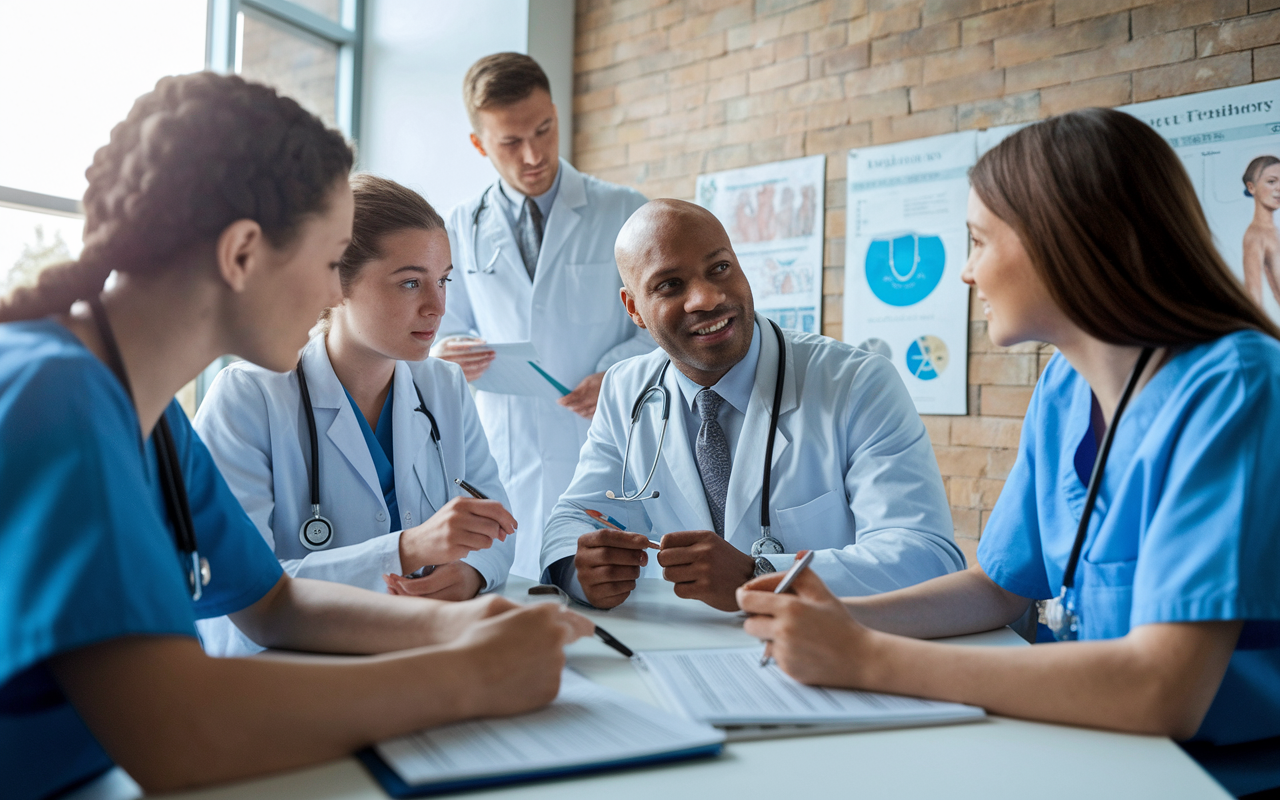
[534, 262]
[853, 475]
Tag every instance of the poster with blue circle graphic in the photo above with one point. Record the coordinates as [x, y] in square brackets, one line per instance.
[906, 243]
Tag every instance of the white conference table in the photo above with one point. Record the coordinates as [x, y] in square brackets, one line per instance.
[998, 758]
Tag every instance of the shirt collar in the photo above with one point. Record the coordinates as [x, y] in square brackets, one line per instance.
[509, 195]
[736, 385]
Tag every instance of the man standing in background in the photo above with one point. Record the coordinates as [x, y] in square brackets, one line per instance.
[533, 261]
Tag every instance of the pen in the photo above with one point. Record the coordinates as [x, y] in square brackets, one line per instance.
[610, 522]
[783, 586]
[469, 489]
[600, 633]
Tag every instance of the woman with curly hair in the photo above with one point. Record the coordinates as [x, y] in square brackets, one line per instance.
[223, 211]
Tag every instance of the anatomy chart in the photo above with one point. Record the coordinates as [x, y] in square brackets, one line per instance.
[773, 213]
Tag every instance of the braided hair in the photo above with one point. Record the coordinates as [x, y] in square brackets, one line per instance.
[194, 155]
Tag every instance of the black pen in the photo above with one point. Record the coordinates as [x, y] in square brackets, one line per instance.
[471, 490]
[601, 633]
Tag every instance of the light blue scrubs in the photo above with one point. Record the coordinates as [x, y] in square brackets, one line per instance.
[87, 549]
[1186, 527]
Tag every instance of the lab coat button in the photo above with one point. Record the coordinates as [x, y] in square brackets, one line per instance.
[407, 516]
[381, 516]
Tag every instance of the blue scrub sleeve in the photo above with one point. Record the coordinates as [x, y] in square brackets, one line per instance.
[1009, 551]
[1212, 544]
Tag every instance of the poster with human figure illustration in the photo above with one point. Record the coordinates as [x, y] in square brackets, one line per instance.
[1229, 141]
[905, 245]
[773, 214]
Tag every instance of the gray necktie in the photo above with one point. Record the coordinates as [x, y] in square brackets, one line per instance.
[529, 234]
[712, 453]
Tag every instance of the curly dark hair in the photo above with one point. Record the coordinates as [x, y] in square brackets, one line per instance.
[194, 155]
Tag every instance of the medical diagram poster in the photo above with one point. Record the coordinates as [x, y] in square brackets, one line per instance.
[1219, 135]
[906, 243]
[774, 216]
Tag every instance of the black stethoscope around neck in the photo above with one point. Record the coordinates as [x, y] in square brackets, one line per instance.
[766, 544]
[1061, 614]
[316, 533]
[169, 466]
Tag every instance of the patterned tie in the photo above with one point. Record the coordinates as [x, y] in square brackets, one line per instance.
[529, 234]
[712, 453]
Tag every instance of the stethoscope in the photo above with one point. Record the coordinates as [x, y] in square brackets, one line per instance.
[475, 238]
[1060, 614]
[316, 533]
[766, 544]
[168, 465]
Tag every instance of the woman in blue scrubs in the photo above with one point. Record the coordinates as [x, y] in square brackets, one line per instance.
[378, 405]
[1086, 233]
[223, 210]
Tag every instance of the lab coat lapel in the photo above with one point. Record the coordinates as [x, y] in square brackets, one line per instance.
[693, 513]
[503, 252]
[412, 448]
[327, 392]
[564, 217]
[748, 461]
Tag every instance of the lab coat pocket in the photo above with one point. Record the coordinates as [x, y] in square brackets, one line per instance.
[1105, 598]
[594, 289]
[820, 523]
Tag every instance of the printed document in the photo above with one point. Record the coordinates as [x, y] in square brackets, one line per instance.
[515, 369]
[728, 687]
[586, 725]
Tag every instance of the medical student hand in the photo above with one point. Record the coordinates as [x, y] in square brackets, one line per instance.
[582, 400]
[464, 525]
[454, 581]
[812, 636]
[608, 563]
[463, 352]
[705, 567]
[516, 657]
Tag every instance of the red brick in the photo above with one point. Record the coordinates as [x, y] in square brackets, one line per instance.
[1000, 462]
[1004, 110]
[961, 461]
[827, 39]
[1152, 51]
[1115, 90]
[886, 76]
[943, 10]
[842, 138]
[1203, 74]
[1007, 22]
[1072, 10]
[942, 36]
[957, 90]
[816, 91]
[1163, 17]
[939, 429]
[1005, 370]
[1266, 62]
[847, 59]
[874, 106]
[914, 126]
[985, 431]
[1005, 401]
[953, 63]
[805, 18]
[1255, 31]
[1041, 44]
[897, 20]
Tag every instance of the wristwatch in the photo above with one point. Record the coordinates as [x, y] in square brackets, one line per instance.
[764, 566]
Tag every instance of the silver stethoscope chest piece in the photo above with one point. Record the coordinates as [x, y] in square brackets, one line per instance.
[317, 532]
[1061, 614]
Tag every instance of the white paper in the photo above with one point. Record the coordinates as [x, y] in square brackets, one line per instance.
[587, 724]
[729, 687]
[906, 244]
[773, 214]
[512, 372]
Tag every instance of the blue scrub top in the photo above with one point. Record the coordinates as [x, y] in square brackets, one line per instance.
[87, 549]
[382, 451]
[1185, 528]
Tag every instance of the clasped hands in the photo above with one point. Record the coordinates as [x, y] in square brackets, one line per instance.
[462, 526]
[702, 565]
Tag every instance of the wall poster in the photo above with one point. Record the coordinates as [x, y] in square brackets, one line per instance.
[906, 243]
[774, 216]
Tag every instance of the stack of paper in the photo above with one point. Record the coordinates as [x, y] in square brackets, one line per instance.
[587, 728]
[515, 369]
[728, 688]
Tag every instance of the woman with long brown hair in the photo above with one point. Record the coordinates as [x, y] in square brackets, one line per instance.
[223, 209]
[1139, 508]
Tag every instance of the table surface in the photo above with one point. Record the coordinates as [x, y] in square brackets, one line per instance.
[998, 758]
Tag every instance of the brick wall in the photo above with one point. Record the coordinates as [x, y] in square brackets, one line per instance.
[667, 89]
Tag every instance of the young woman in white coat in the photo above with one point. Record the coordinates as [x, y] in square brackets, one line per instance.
[392, 430]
